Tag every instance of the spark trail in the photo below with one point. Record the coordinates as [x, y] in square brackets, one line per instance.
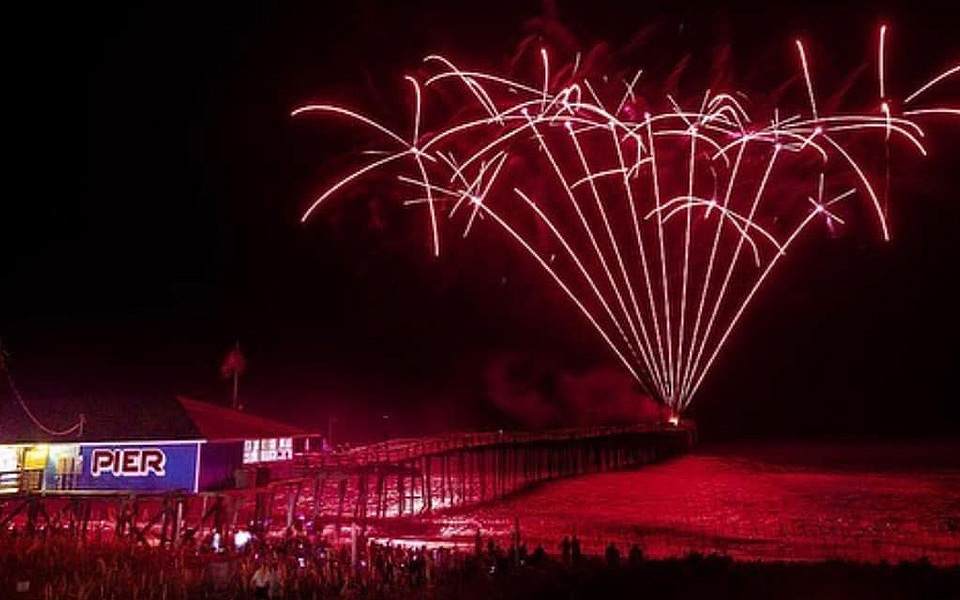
[660, 226]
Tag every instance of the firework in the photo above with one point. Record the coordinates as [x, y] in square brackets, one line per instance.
[659, 225]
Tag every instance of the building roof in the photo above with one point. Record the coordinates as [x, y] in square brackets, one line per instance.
[221, 423]
[155, 418]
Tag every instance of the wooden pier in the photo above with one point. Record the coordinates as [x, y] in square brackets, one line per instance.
[397, 479]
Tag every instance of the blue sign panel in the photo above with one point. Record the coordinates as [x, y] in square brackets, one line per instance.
[139, 467]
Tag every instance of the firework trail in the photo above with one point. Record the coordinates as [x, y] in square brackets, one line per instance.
[659, 225]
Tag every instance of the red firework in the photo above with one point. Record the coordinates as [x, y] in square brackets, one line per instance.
[660, 226]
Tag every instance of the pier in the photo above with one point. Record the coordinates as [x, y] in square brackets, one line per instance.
[395, 479]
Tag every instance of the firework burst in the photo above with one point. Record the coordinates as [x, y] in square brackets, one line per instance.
[659, 225]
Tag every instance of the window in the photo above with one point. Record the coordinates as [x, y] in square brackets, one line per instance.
[251, 451]
[284, 448]
[267, 450]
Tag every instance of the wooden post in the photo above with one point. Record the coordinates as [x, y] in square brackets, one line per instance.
[482, 467]
[364, 503]
[292, 494]
[445, 484]
[218, 516]
[86, 518]
[427, 476]
[203, 516]
[462, 469]
[181, 505]
[164, 520]
[360, 510]
[380, 495]
[316, 500]
[258, 509]
[401, 498]
[413, 487]
[341, 494]
[237, 505]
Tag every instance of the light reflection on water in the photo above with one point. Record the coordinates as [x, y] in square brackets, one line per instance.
[793, 502]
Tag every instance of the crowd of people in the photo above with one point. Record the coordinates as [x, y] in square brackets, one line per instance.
[292, 567]
[298, 567]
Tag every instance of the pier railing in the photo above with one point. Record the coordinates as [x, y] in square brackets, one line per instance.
[405, 449]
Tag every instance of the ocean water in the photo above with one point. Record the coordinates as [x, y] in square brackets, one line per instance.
[874, 501]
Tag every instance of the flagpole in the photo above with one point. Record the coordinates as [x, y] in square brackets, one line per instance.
[236, 376]
[234, 364]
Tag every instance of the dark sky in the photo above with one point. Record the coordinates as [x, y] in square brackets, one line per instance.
[154, 186]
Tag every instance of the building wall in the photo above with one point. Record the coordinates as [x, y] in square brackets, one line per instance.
[189, 466]
[218, 463]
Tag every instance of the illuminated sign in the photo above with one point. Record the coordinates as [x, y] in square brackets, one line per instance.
[141, 467]
[128, 462]
[267, 450]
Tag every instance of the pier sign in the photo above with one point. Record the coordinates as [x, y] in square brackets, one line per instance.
[144, 466]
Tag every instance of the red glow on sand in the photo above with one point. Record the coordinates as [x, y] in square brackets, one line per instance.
[779, 502]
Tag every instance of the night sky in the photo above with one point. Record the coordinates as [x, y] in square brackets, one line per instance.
[155, 182]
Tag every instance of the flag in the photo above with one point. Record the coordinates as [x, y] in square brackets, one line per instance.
[234, 363]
